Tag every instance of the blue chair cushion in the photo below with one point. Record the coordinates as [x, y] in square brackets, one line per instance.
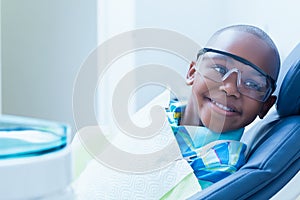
[289, 96]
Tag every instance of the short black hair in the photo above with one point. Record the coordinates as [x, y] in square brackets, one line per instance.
[259, 33]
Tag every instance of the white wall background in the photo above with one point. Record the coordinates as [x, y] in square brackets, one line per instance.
[198, 19]
[44, 42]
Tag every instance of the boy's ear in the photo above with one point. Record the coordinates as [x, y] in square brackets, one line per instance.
[191, 74]
[266, 106]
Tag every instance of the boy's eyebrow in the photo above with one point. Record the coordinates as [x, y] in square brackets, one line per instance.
[216, 56]
[230, 61]
[235, 57]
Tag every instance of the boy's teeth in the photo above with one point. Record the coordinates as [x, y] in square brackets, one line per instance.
[222, 106]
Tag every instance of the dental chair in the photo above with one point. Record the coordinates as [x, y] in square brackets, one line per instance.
[273, 154]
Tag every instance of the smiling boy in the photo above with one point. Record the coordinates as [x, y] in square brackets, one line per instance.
[212, 101]
[232, 83]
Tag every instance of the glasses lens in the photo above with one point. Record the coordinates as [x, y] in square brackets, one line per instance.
[212, 66]
[218, 67]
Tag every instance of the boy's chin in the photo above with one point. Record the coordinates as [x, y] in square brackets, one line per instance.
[213, 127]
[220, 123]
[218, 127]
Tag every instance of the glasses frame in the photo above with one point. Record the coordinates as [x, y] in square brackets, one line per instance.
[246, 62]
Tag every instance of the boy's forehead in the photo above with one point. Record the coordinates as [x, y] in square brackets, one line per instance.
[247, 46]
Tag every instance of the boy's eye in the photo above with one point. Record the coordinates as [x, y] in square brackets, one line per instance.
[253, 85]
[221, 69]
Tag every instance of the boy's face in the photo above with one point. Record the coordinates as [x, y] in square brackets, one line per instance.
[221, 106]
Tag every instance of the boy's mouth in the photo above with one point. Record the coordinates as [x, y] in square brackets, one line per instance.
[223, 106]
[227, 108]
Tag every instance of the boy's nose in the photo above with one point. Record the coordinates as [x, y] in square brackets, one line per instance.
[229, 85]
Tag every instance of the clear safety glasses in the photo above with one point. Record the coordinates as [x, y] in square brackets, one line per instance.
[252, 81]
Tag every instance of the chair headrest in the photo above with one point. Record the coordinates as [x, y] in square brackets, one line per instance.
[289, 95]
